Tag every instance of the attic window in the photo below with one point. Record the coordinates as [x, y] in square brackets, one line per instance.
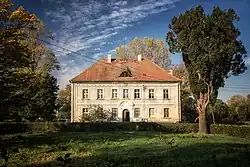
[126, 73]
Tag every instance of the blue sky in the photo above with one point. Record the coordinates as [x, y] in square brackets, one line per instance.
[94, 28]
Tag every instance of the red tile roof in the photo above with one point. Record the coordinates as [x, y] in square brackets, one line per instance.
[144, 70]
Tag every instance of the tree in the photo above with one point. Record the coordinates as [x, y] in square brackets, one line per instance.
[153, 49]
[187, 100]
[96, 113]
[188, 111]
[210, 50]
[64, 102]
[15, 55]
[239, 106]
[25, 65]
[220, 111]
[181, 72]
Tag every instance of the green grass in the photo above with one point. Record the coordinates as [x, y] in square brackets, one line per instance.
[129, 149]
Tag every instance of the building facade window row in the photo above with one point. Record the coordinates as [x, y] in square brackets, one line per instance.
[125, 94]
[114, 112]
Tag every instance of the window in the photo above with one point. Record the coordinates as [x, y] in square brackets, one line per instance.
[126, 73]
[165, 94]
[151, 94]
[125, 93]
[151, 112]
[137, 93]
[114, 93]
[166, 112]
[136, 112]
[114, 112]
[85, 93]
[99, 93]
[85, 111]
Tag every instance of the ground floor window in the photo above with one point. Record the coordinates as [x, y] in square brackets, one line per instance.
[136, 112]
[114, 113]
[151, 112]
[166, 113]
[85, 111]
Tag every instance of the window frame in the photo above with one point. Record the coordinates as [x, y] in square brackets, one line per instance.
[97, 96]
[137, 93]
[123, 94]
[87, 97]
[151, 95]
[86, 112]
[112, 113]
[112, 93]
[149, 112]
[166, 94]
[164, 110]
[138, 114]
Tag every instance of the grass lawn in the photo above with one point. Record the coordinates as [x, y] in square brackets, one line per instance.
[128, 149]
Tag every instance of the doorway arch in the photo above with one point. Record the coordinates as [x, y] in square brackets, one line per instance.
[125, 115]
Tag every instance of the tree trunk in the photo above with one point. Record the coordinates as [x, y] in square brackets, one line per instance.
[213, 117]
[203, 129]
[202, 103]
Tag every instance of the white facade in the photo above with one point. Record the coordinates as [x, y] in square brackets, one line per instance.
[162, 110]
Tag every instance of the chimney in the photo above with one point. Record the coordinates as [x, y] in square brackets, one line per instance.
[109, 58]
[139, 58]
[170, 72]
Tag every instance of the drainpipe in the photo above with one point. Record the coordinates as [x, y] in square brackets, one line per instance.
[72, 102]
[144, 88]
[179, 101]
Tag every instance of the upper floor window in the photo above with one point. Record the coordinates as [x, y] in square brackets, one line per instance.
[114, 93]
[151, 94]
[136, 112]
[99, 93]
[166, 113]
[151, 112]
[85, 93]
[136, 93]
[165, 94]
[125, 93]
[114, 113]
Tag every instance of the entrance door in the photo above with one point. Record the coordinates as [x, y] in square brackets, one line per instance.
[126, 117]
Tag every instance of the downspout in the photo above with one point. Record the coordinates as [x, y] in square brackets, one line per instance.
[72, 102]
[144, 108]
[179, 101]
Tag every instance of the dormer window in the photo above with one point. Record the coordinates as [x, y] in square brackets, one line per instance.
[126, 73]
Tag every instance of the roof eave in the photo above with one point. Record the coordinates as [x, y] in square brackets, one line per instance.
[71, 81]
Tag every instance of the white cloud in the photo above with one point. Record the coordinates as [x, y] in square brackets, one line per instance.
[86, 27]
[247, 61]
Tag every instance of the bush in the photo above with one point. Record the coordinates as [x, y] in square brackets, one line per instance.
[132, 126]
[231, 130]
[11, 128]
[19, 127]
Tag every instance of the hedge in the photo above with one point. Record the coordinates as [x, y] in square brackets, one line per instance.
[231, 130]
[132, 126]
[11, 128]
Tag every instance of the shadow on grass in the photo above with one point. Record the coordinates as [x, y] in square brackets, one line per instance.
[55, 138]
[206, 154]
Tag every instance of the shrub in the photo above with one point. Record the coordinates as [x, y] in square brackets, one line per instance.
[231, 130]
[182, 127]
[19, 127]
[133, 126]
